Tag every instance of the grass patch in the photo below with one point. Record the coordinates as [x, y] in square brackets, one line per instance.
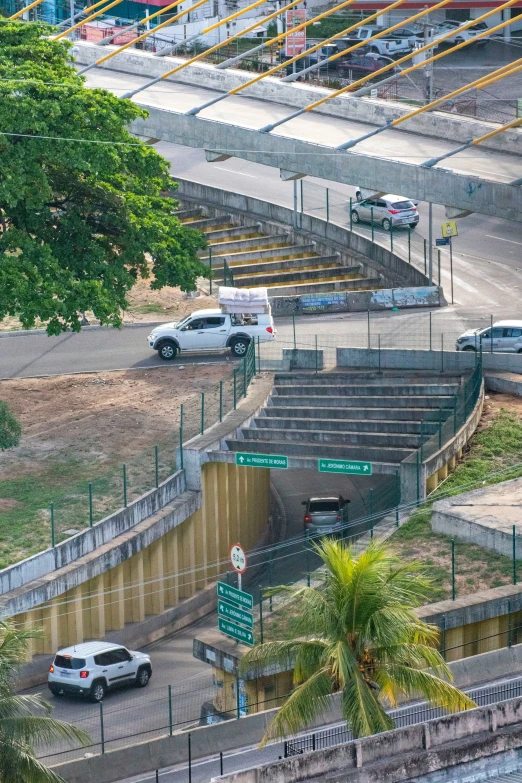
[492, 450]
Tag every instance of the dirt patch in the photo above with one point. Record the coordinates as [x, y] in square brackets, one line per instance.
[80, 430]
[8, 503]
[168, 304]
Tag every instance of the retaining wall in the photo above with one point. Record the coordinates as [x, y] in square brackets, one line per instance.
[87, 541]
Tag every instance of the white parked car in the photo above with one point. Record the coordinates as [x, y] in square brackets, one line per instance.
[504, 336]
[388, 211]
[93, 668]
[459, 35]
[212, 330]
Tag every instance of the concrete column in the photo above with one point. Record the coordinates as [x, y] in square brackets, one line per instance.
[506, 14]
[223, 511]
[233, 501]
[489, 635]
[137, 575]
[115, 599]
[189, 560]
[157, 584]
[203, 555]
[75, 616]
[431, 483]
[452, 463]
[50, 627]
[29, 623]
[454, 644]
[171, 549]
[243, 520]
[213, 490]
[442, 473]
[98, 607]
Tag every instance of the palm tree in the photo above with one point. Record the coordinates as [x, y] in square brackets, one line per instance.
[358, 635]
[24, 720]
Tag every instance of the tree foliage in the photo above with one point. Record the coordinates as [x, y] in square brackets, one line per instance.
[358, 635]
[10, 429]
[79, 222]
[25, 720]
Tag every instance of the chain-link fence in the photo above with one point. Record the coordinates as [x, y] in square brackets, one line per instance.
[88, 498]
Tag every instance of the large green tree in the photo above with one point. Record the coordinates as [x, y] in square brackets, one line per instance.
[80, 221]
[25, 720]
[358, 635]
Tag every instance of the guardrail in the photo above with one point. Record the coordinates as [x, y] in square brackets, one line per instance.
[404, 716]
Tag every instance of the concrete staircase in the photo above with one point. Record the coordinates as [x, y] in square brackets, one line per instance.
[357, 415]
[260, 256]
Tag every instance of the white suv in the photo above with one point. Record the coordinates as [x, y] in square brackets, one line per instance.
[93, 668]
[212, 330]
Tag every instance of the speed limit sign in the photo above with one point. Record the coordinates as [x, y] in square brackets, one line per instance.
[238, 559]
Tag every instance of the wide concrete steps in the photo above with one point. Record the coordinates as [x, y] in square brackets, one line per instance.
[402, 415]
[309, 275]
[327, 450]
[226, 234]
[296, 289]
[365, 376]
[189, 215]
[207, 224]
[361, 390]
[344, 425]
[249, 245]
[277, 253]
[364, 401]
[389, 439]
[288, 264]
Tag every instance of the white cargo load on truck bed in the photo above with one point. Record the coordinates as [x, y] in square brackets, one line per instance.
[243, 300]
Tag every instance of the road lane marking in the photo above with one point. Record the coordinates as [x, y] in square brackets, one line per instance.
[241, 173]
[512, 241]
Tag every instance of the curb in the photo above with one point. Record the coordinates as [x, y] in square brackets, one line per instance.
[90, 328]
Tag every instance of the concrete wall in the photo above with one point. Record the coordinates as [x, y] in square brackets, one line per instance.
[88, 540]
[484, 724]
[447, 361]
[436, 124]
[402, 754]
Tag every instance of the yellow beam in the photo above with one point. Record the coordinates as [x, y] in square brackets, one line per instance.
[85, 21]
[354, 85]
[22, 11]
[154, 29]
[327, 40]
[484, 81]
[492, 133]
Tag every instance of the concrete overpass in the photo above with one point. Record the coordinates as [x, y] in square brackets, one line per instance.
[483, 179]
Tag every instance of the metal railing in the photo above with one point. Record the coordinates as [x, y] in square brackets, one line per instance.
[404, 716]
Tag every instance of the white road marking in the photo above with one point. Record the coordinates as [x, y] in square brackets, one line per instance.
[512, 241]
[241, 173]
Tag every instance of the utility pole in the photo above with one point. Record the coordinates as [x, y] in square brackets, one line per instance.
[428, 68]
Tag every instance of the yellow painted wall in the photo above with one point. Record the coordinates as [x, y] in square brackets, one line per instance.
[235, 508]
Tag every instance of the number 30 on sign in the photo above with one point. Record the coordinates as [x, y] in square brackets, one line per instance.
[238, 559]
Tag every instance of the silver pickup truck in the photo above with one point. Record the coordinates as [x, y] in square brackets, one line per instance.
[387, 46]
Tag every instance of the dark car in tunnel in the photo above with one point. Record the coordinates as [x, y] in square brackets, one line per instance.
[324, 515]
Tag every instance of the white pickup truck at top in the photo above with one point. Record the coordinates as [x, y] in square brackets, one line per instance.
[387, 45]
[212, 330]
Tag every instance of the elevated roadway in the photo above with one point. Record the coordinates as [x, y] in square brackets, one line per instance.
[476, 180]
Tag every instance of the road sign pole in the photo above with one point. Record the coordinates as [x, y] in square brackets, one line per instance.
[430, 246]
[239, 582]
[451, 268]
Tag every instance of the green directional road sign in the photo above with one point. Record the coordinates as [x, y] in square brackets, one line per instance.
[246, 460]
[244, 600]
[344, 466]
[231, 612]
[236, 632]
